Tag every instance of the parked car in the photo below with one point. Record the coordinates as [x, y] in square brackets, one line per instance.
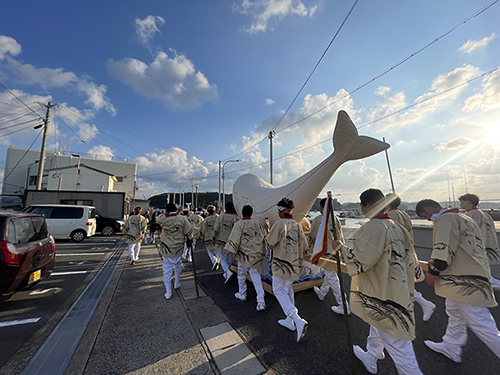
[66, 220]
[27, 251]
[107, 225]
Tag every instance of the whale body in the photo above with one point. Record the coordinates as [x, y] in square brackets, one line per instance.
[252, 190]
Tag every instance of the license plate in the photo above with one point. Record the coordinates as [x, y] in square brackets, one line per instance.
[35, 276]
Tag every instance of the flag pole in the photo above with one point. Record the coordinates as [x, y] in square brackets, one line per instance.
[341, 281]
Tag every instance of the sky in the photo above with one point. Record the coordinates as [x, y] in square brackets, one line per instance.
[176, 86]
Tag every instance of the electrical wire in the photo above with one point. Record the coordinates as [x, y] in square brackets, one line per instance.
[21, 123]
[316, 66]
[19, 100]
[29, 148]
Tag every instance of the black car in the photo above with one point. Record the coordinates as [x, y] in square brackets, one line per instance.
[107, 225]
[27, 251]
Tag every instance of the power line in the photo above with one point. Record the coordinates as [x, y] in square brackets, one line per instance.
[316, 66]
[23, 103]
[470, 18]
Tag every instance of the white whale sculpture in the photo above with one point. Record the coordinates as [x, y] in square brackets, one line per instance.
[252, 190]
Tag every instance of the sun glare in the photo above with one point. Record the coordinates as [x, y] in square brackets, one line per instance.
[492, 134]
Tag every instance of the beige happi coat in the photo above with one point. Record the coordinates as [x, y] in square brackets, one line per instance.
[402, 218]
[289, 244]
[311, 238]
[134, 228]
[208, 231]
[222, 228]
[175, 230]
[383, 267]
[196, 223]
[488, 234]
[456, 240]
[247, 242]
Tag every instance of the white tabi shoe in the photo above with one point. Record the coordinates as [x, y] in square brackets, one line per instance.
[340, 310]
[428, 310]
[240, 296]
[177, 286]
[261, 306]
[287, 323]
[300, 325]
[168, 295]
[440, 347]
[227, 276]
[318, 293]
[369, 361]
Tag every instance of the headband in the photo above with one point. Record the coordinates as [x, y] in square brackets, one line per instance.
[285, 210]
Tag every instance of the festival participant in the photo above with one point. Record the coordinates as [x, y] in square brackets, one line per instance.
[289, 244]
[175, 232]
[222, 229]
[246, 242]
[196, 221]
[459, 272]
[470, 202]
[135, 227]
[383, 266]
[404, 219]
[331, 279]
[208, 235]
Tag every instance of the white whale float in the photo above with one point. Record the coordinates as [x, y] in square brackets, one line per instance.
[252, 190]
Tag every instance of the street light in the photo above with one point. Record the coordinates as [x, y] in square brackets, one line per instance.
[183, 198]
[224, 180]
[197, 186]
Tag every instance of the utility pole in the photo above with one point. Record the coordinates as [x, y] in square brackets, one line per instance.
[389, 167]
[218, 201]
[271, 136]
[44, 143]
[192, 193]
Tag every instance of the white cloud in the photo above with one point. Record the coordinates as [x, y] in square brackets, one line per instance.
[173, 80]
[147, 28]
[383, 90]
[489, 99]
[472, 45]
[9, 45]
[269, 102]
[102, 152]
[47, 78]
[264, 12]
[454, 144]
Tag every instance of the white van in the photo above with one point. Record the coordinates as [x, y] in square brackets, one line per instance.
[66, 220]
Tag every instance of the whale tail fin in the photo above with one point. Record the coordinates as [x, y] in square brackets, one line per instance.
[350, 144]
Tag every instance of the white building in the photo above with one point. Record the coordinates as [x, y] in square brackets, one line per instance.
[66, 173]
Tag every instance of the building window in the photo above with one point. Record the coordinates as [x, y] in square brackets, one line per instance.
[119, 179]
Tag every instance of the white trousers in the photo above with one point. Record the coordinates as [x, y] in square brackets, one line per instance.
[213, 258]
[170, 264]
[495, 283]
[401, 351]
[478, 319]
[331, 280]
[133, 251]
[257, 281]
[283, 291]
[187, 254]
[225, 260]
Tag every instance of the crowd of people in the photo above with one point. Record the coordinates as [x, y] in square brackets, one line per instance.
[382, 263]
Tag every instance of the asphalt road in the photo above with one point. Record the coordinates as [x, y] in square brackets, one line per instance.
[38, 310]
[324, 348]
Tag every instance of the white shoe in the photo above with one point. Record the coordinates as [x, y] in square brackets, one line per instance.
[240, 296]
[261, 306]
[168, 295]
[369, 361]
[428, 310]
[318, 293]
[177, 286]
[287, 323]
[340, 310]
[227, 275]
[440, 347]
[300, 325]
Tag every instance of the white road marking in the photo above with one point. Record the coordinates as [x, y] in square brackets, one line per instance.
[79, 263]
[81, 244]
[99, 248]
[16, 322]
[43, 291]
[76, 254]
[68, 273]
